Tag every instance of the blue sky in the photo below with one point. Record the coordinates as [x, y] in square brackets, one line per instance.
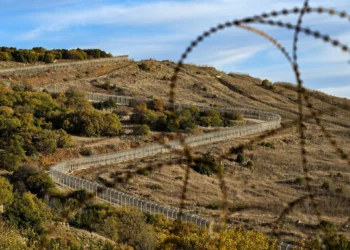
[162, 29]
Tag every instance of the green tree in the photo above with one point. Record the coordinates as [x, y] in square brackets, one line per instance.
[28, 212]
[45, 141]
[39, 183]
[64, 140]
[141, 130]
[111, 125]
[12, 155]
[6, 195]
[267, 84]
[5, 56]
[48, 57]
[10, 239]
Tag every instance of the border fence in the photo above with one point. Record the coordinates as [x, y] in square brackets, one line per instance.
[63, 65]
[60, 172]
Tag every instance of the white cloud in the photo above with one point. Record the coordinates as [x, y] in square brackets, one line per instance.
[221, 58]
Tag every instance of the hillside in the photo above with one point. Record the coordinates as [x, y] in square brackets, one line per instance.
[258, 194]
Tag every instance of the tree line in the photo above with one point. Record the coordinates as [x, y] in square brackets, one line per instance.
[40, 54]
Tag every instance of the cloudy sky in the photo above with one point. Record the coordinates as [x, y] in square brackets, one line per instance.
[162, 29]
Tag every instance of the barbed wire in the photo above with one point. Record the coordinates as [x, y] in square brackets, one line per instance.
[301, 92]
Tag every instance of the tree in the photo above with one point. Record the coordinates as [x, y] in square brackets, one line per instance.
[11, 239]
[210, 118]
[266, 84]
[6, 195]
[5, 56]
[45, 141]
[39, 183]
[133, 230]
[111, 125]
[28, 212]
[141, 130]
[12, 155]
[157, 105]
[48, 57]
[64, 140]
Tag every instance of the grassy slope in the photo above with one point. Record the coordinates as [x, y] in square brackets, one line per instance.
[269, 187]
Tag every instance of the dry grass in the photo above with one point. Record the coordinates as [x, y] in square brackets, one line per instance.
[262, 192]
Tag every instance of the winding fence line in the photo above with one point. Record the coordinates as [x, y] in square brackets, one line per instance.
[60, 173]
[63, 65]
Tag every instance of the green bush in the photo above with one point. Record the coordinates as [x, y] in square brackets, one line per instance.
[267, 84]
[12, 155]
[92, 123]
[299, 181]
[154, 186]
[144, 66]
[45, 141]
[249, 164]
[85, 151]
[109, 104]
[240, 158]
[325, 186]
[64, 140]
[236, 208]
[141, 130]
[266, 144]
[6, 195]
[207, 165]
[213, 206]
[28, 212]
[40, 183]
[210, 118]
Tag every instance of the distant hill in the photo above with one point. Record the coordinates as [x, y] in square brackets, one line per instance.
[40, 54]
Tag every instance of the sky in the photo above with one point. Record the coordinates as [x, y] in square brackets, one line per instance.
[162, 30]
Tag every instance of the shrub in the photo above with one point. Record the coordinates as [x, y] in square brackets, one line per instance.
[142, 115]
[39, 183]
[330, 241]
[240, 158]
[234, 116]
[236, 207]
[144, 66]
[11, 156]
[325, 186]
[86, 151]
[207, 165]
[157, 104]
[64, 140]
[178, 178]
[141, 130]
[6, 195]
[213, 206]
[154, 186]
[339, 190]
[299, 181]
[236, 150]
[45, 141]
[28, 212]
[267, 84]
[266, 144]
[11, 238]
[327, 226]
[143, 171]
[249, 164]
[210, 118]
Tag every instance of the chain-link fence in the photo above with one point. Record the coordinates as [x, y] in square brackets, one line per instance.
[63, 65]
[60, 172]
